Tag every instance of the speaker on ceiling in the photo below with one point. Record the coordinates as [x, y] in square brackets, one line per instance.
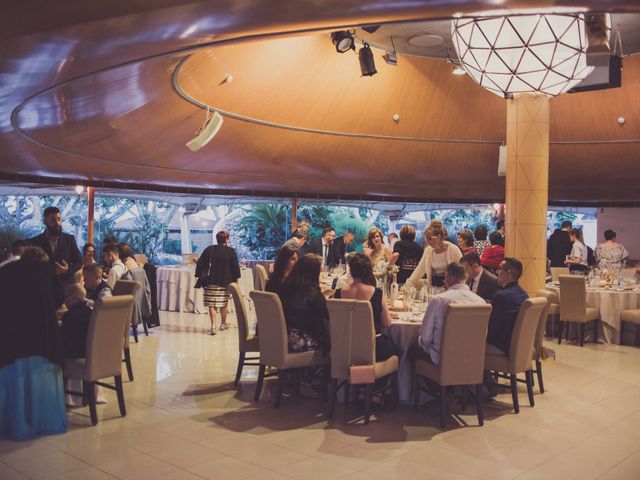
[206, 133]
[502, 161]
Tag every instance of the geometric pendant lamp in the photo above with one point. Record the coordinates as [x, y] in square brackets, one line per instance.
[533, 53]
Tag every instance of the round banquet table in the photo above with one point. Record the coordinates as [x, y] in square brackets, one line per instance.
[610, 303]
[177, 292]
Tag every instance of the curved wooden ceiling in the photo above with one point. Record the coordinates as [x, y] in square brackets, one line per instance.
[86, 111]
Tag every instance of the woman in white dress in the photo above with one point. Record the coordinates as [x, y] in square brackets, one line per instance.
[610, 254]
[577, 260]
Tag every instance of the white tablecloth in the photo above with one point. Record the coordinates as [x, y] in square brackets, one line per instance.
[177, 292]
[610, 303]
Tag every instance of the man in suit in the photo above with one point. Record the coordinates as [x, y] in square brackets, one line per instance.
[324, 247]
[506, 304]
[61, 247]
[342, 246]
[559, 245]
[301, 236]
[480, 281]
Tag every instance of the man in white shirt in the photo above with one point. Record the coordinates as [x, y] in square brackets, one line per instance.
[428, 346]
[481, 282]
[112, 258]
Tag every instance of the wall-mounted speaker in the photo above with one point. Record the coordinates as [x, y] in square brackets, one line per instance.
[207, 132]
[502, 161]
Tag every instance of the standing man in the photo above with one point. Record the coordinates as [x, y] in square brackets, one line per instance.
[342, 246]
[60, 247]
[559, 245]
[324, 247]
[392, 238]
[302, 230]
[500, 227]
[480, 281]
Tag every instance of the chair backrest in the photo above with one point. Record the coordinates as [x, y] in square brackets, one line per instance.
[557, 271]
[352, 335]
[552, 297]
[261, 280]
[141, 258]
[241, 315]
[104, 340]
[524, 333]
[127, 287]
[463, 343]
[272, 328]
[573, 298]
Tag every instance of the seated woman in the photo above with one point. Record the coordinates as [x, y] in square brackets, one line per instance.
[305, 308]
[577, 261]
[286, 258]
[75, 322]
[465, 242]
[363, 287]
[610, 254]
[493, 255]
[31, 391]
[126, 256]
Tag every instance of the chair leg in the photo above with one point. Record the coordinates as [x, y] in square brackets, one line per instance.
[134, 328]
[394, 391]
[444, 407]
[239, 369]
[560, 325]
[88, 389]
[514, 392]
[282, 377]
[367, 402]
[463, 398]
[120, 392]
[622, 333]
[529, 378]
[567, 325]
[539, 373]
[582, 334]
[333, 393]
[596, 327]
[145, 328]
[479, 405]
[127, 362]
[416, 393]
[256, 396]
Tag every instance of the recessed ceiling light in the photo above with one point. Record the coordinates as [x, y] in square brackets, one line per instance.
[426, 40]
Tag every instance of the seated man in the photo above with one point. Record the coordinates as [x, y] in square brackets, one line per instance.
[506, 305]
[96, 287]
[428, 346]
[481, 282]
[75, 322]
[111, 255]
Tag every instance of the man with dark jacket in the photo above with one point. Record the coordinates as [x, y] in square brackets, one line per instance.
[559, 245]
[60, 247]
[480, 281]
[342, 246]
[324, 247]
[506, 305]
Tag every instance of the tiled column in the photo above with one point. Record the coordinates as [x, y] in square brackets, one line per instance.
[527, 186]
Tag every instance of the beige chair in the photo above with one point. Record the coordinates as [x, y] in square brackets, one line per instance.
[262, 277]
[247, 343]
[539, 340]
[630, 317]
[127, 287]
[557, 271]
[103, 359]
[274, 350]
[353, 350]
[553, 308]
[573, 307]
[462, 353]
[518, 359]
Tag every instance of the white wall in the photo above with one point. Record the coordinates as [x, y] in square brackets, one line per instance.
[626, 223]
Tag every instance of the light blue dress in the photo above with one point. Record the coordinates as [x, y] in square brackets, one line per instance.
[31, 399]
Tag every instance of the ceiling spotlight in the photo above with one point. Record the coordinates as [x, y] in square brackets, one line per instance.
[458, 70]
[391, 58]
[367, 64]
[343, 41]
[79, 189]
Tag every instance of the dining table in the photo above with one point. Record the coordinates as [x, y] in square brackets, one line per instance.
[610, 302]
[177, 292]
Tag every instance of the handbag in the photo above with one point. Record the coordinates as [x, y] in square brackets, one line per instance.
[203, 280]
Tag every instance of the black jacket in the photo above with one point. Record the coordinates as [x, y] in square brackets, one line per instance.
[506, 305]
[558, 247]
[488, 285]
[74, 329]
[67, 250]
[316, 248]
[340, 249]
[306, 310]
[223, 261]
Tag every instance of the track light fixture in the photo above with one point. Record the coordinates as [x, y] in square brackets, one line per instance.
[367, 64]
[343, 41]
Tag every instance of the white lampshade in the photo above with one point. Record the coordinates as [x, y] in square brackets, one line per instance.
[535, 53]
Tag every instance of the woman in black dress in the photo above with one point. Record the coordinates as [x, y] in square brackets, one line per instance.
[217, 267]
[364, 288]
[406, 253]
[285, 260]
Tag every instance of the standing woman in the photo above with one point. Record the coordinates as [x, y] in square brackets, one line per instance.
[217, 267]
[438, 254]
[406, 253]
[577, 260]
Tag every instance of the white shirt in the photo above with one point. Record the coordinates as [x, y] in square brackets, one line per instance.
[439, 263]
[476, 281]
[424, 266]
[432, 323]
[578, 250]
[12, 258]
[117, 270]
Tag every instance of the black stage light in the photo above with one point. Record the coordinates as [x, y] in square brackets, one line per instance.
[343, 41]
[371, 28]
[367, 64]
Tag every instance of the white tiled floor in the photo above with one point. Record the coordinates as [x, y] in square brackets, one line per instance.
[185, 421]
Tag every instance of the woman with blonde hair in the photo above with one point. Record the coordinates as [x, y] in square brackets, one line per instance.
[438, 254]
